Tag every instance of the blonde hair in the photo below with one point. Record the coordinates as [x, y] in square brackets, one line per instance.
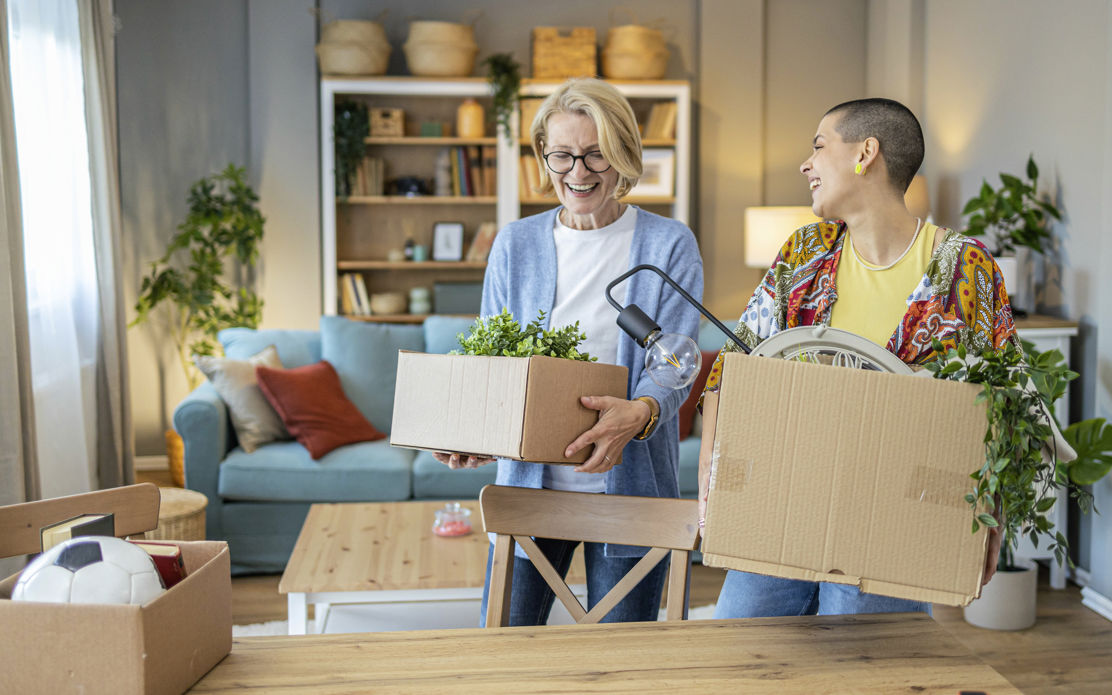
[619, 140]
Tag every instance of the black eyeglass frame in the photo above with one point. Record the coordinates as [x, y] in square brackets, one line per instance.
[574, 157]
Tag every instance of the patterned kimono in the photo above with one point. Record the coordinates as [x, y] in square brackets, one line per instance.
[960, 300]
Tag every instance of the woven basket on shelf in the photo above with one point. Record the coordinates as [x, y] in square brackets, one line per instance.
[557, 56]
[623, 65]
[181, 515]
[354, 30]
[351, 58]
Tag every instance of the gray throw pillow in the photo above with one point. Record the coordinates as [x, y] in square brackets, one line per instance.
[254, 419]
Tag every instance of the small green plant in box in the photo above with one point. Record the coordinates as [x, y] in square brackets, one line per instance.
[501, 335]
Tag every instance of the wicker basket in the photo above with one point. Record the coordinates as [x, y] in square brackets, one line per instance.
[440, 32]
[350, 58]
[556, 56]
[388, 303]
[354, 31]
[181, 515]
[622, 65]
[634, 38]
[440, 59]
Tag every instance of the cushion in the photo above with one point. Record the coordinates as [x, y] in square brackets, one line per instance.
[433, 480]
[365, 356]
[295, 348]
[711, 337]
[689, 406]
[254, 419]
[442, 332]
[313, 407]
[284, 472]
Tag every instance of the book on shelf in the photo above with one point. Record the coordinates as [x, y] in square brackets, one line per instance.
[531, 177]
[454, 159]
[167, 560]
[480, 245]
[347, 296]
[81, 525]
[362, 300]
[661, 124]
[489, 154]
[475, 160]
[529, 108]
[464, 172]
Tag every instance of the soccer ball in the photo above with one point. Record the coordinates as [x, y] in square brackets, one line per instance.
[90, 569]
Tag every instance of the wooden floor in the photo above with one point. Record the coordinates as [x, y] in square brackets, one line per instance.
[1067, 652]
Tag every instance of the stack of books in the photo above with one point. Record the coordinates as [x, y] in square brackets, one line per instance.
[662, 122]
[354, 300]
[473, 170]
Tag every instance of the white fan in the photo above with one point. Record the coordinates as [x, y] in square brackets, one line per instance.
[833, 346]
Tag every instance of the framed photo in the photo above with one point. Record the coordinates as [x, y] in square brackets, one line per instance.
[447, 241]
[659, 174]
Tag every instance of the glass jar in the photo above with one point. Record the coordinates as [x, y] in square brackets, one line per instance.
[452, 520]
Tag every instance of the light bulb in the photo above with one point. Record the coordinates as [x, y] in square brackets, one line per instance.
[672, 360]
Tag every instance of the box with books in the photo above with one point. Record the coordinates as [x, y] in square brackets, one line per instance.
[167, 559]
[81, 525]
[163, 646]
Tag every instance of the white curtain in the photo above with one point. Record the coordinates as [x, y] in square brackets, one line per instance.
[59, 259]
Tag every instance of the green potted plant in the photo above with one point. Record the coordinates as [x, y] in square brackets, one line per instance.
[222, 229]
[504, 75]
[1017, 484]
[1013, 217]
[349, 133]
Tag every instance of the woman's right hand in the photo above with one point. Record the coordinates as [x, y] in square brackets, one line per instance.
[456, 460]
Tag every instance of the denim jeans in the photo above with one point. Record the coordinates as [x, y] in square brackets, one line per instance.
[746, 595]
[531, 598]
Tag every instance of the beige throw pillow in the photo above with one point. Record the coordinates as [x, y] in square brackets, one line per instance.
[254, 419]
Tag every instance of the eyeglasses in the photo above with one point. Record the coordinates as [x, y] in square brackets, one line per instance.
[563, 162]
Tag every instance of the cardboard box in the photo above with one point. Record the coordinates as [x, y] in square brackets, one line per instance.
[161, 647]
[849, 476]
[524, 408]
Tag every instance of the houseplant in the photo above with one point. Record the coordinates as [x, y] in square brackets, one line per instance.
[502, 336]
[1013, 217]
[349, 133]
[504, 75]
[221, 233]
[1018, 484]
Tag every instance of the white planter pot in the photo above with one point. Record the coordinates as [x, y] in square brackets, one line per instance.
[1019, 278]
[1009, 269]
[1008, 601]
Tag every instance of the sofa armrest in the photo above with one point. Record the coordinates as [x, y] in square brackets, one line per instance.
[202, 421]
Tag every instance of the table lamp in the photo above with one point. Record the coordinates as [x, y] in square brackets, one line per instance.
[672, 360]
[767, 228]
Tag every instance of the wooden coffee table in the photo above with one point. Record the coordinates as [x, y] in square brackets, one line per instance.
[384, 552]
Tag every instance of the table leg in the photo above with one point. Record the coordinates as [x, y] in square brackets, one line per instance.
[320, 617]
[297, 613]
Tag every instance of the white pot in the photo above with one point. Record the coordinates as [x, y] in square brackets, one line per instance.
[1008, 601]
[1019, 279]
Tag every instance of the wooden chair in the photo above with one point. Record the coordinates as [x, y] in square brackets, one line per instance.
[517, 515]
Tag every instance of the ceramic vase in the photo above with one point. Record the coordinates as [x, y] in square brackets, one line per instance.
[1008, 601]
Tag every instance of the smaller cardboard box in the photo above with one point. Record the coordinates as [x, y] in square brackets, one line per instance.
[162, 647]
[850, 476]
[523, 408]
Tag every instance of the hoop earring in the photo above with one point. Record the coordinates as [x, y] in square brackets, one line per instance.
[858, 169]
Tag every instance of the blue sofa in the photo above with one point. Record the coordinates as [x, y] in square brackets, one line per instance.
[258, 501]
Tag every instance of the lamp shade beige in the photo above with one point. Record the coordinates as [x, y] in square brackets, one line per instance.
[917, 198]
[767, 228]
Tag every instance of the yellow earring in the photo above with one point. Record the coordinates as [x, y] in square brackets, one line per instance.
[858, 169]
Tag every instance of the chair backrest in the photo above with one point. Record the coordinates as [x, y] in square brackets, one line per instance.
[517, 515]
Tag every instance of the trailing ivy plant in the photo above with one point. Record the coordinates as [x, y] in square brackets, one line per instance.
[504, 75]
[501, 335]
[1019, 389]
[224, 224]
[349, 132]
[1012, 215]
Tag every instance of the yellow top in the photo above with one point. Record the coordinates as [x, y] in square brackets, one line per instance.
[872, 300]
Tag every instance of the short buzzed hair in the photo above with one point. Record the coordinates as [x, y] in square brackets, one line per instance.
[895, 128]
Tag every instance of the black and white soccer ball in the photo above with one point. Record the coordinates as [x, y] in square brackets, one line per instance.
[90, 569]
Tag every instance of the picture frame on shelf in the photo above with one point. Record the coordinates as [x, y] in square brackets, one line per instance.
[658, 177]
[447, 241]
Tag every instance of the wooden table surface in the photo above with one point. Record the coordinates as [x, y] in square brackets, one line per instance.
[384, 546]
[882, 654]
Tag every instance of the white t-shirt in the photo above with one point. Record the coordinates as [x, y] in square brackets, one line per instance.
[586, 261]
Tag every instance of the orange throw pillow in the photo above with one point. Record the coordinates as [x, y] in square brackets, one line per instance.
[313, 407]
[687, 408]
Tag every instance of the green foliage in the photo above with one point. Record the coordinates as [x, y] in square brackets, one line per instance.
[349, 130]
[223, 224]
[1013, 214]
[1015, 479]
[504, 75]
[502, 335]
[1092, 440]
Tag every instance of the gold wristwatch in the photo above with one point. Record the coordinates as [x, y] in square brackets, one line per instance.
[654, 416]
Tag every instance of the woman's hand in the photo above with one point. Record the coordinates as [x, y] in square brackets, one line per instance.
[619, 421]
[454, 460]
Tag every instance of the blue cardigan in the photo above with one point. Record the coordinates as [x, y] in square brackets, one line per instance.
[521, 276]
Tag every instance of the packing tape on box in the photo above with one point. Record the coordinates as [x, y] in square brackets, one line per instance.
[937, 486]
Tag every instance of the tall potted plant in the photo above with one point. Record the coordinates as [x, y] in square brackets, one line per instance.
[218, 240]
[1014, 218]
[1018, 483]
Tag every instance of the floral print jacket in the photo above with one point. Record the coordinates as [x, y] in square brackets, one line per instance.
[960, 299]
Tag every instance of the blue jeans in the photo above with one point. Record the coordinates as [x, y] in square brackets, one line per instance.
[746, 595]
[531, 598]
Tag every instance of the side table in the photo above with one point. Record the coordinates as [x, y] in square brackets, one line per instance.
[181, 515]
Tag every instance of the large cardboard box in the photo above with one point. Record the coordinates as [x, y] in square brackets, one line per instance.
[524, 408]
[161, 647]
[850, 476]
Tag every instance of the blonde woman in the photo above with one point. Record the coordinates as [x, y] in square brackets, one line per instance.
[587, 144]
